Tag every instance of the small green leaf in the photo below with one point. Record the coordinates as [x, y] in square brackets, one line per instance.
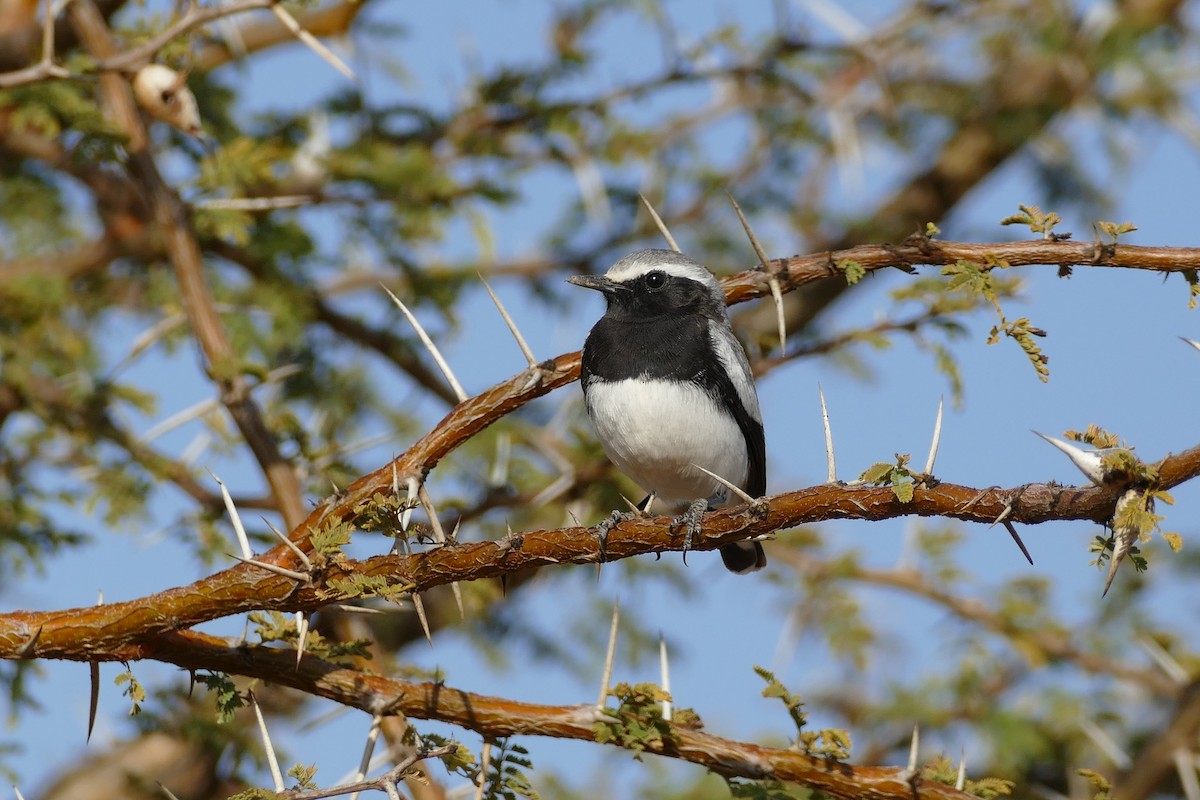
[303, 775]
[877, 473]
[133, 690]
[853, 270]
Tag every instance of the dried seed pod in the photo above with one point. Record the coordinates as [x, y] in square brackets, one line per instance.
[163, 94]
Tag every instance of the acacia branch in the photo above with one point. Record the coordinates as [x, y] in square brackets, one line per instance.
[80, 633]
[86, 634]
[495, 717]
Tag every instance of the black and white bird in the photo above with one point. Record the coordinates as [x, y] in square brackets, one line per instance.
[669, 389]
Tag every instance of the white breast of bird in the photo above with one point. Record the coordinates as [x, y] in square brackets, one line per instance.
[654, 431]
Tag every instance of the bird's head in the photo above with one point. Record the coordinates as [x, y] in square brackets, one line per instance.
[652, 283]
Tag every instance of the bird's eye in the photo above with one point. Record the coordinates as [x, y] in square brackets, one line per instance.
[655, 280]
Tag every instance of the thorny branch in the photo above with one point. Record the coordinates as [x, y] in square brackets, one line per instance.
[497, 717]
[81, 633]
[90, 632]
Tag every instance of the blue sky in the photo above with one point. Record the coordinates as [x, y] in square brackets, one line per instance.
[1115, 360]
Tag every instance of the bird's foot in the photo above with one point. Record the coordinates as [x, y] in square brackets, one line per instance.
[760, 508]
[611, 521]
[690, 520]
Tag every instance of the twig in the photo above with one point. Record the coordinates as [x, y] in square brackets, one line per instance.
[256, 203]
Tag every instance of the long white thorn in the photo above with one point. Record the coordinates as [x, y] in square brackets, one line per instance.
[1173, 669]
[313, 42]
[272, 760]
[429, 345]
[1185, 765]
[1105, 743]
[662, 226]
[606, 675]
[439, 535]
[730, 486]
[512, 326]
[406, 514]
[170, 795]
[148, 337]
[772, 281]
[664, 669]
[485, 761]
[238, 528]
[632, 505]
[17, 792]
[201, 408]
[829, 459]
[780, 316]
[364, 763]
[287, 573]
[499, 476]
[301, 636]
[914, 748]
[1088, 461]
[419, 605]
[295, 548]
[172, 422]
[961, 782]
[348, 609]
[544, 442]
[937, 439]
[1192, 342]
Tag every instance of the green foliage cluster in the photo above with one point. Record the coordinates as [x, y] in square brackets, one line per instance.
[637, 723]
[897, 475]
[829, 744]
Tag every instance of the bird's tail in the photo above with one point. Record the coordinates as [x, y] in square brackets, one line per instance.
[743, 557]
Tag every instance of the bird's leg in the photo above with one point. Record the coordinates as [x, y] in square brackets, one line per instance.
[616, 518]
[607, 524]
[690, 519]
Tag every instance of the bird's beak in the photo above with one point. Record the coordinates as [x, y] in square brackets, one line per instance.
[597, 282]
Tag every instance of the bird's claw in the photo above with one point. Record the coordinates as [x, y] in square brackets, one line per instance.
[690, 520]
[613, 520]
